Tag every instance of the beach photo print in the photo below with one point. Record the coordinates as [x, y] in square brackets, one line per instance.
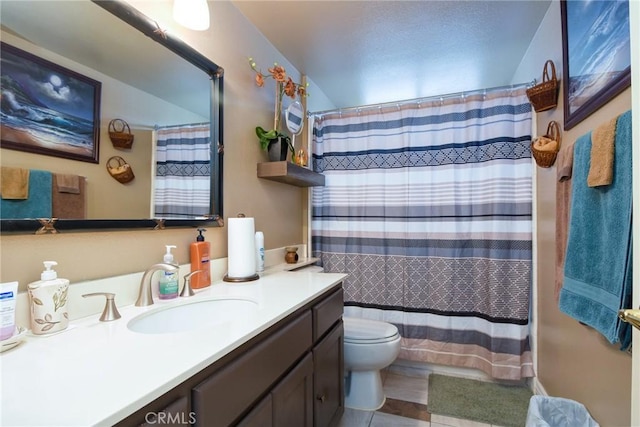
[596, 55]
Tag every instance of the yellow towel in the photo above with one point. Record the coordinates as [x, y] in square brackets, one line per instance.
[543, 143]
[552, 147]
[602, 153]
[15, 183]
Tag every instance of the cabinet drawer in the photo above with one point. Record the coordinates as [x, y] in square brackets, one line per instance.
[326, 313]
[228, 392]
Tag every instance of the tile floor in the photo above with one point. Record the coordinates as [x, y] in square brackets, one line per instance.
[406, 406]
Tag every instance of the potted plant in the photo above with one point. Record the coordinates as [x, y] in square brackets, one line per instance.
[273, 140]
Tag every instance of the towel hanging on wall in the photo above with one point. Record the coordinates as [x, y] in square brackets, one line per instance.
[602, 154]
[37, 205]
[14, 183]
[597, 272]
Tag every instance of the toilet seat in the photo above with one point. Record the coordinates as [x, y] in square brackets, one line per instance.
[367, 331]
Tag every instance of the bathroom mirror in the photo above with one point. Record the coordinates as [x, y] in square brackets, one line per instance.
[294, 117]
[108, 36]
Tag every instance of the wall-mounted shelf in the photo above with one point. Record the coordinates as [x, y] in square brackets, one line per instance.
[290, 173]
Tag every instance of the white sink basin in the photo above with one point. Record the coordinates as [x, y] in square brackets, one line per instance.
[194, 315]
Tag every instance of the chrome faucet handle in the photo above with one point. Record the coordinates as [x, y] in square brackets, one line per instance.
[110, 311]
[145, 297]
[186, 289]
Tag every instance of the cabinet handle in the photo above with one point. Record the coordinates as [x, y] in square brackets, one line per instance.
[321, 398]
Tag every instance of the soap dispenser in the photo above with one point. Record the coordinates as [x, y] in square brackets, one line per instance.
[199, 252]
[48, 301]
[168, 285]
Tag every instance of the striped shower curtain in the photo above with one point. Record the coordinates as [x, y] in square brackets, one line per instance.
[183, 171]
[427, 207]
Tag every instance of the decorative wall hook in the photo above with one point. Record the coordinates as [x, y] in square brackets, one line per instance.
[159, 31]
[47, 226]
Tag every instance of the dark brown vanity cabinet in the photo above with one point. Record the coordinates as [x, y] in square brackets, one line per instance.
[328, 360]
[290, 375]
[328, 382]
[312, 394]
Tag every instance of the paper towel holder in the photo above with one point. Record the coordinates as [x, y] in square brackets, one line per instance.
[255, 276]
[226, 278]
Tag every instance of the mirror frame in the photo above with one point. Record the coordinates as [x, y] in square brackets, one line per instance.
[150, 28]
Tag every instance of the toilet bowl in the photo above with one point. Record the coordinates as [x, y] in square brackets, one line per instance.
[369, 346]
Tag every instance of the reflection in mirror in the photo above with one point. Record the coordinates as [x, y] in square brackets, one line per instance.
[294, 117]
[168, 93]
[183, 171]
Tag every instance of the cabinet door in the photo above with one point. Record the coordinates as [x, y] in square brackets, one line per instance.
[175, 414]
[293, 397]
[328, 390]
[261, 415]
[225, 395]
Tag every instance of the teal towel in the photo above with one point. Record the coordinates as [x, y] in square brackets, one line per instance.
[38, 205]
[597, 271]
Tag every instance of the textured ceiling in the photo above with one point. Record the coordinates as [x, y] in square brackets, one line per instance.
[357, 52]
[366, 52]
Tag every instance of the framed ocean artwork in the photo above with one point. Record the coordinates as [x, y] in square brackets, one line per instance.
[596, 55]
[48, 109]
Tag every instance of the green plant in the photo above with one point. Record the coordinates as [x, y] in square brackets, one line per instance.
[266, 137]
[284, 86]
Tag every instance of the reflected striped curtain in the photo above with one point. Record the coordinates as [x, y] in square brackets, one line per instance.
[183, 171]
[427, 207]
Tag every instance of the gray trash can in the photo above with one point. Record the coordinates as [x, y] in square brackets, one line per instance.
[545, 411]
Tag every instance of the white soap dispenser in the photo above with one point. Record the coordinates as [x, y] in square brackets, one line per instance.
[168, 286]
[48, 301]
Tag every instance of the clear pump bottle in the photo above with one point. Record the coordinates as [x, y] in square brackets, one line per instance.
[168, 285]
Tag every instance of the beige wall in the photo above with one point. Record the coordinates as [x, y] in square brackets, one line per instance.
[277, 207]
[574, 361]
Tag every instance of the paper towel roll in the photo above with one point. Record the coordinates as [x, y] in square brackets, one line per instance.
[241, 248]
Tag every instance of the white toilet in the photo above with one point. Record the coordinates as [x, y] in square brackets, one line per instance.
[369, 346]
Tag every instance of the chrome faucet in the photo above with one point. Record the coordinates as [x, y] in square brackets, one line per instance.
[144, 295]
[110, 311]
[186, 289]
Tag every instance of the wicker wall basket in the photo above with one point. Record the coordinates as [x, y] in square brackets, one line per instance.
[120, 170]
[545, 148]
[544, 96]
[120, 134]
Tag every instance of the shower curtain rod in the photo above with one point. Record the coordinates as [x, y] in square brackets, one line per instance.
[426, 98]
[156, 127]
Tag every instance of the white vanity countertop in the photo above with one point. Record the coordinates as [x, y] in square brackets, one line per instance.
[97, 373]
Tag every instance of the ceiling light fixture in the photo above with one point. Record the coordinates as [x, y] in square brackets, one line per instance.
[193, 14]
